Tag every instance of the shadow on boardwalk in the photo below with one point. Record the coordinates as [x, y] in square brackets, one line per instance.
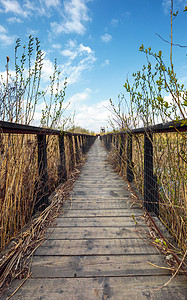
[94, 251]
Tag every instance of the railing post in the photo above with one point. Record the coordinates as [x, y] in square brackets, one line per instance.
[83, 144]
[72, 156]
[121, 151]
[116, 142]
[42, 186]
[76, 149]
[105, 141]
[79, 146]
[62, 168]
[130, 175]
[110, 142]
[148, 171]
[113, 141]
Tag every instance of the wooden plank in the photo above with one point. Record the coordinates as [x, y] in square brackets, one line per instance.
[95, 247]
[105, 288]
[69, 213]
[104, 193]
[98, 221]
[96, 205]
[94, 199]
[114, 183]
[75, 233]
[104, 187]
[97, 266]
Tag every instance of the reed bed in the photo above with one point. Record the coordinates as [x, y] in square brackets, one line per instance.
[15, 262]
[19, 179]
[18, 176]
[170, 166]
[53, 160]
[21, 230]
[170, 163]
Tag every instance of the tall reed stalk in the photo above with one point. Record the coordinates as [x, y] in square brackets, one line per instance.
[20, 93]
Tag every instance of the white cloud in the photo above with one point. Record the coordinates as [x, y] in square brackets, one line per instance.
[5, 39]
[13, 20]
[73, 68]
[73, 72]
[74, 18]
[47, 69]
[114, 22]
[68, 53]
[52, 3]
[71, 43]
[106, 38]
[166, 5]
[178, 4]
[29, 7]
[86, 49]
[105, 63]
[32, 32]
[92, 116]
[2, 29]
[13, 6]
[56, 46]
[76, 100]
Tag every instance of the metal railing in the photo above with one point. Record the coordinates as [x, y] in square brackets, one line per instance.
[82, 143]
[155, 159]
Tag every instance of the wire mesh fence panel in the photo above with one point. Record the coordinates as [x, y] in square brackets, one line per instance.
[138, 161]
[53, 161]
[32, 162]
[156, 160]
[18, 175]
[170, 167]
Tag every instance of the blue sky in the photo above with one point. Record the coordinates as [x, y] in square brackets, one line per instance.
[96, 44]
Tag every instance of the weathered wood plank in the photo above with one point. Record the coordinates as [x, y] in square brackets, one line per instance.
[102, 288]
[96, 205]
[90, 232]
[100, 266]
[69, 213]
[102, 200]
[104, 193]
[95, 247]
[98, 221]
[107, 184]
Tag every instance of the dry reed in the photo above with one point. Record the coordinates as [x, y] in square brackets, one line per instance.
[170, 165]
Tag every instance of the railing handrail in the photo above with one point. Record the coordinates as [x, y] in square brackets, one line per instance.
[158, 128]
[10, 127]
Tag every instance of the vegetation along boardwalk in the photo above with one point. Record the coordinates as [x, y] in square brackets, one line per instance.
[94, 251]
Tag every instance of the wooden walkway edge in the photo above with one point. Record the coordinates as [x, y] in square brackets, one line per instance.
[93, 251]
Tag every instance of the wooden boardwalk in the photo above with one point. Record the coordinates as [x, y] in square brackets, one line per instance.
[94, 251]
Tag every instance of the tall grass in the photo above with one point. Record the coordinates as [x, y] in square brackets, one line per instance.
[171, 170]
[20, 93]
[19, 177]
[170, 166]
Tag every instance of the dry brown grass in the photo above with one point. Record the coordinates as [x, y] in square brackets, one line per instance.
[170, 166]
[18, 175]
[16, 260]
[19, 178]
